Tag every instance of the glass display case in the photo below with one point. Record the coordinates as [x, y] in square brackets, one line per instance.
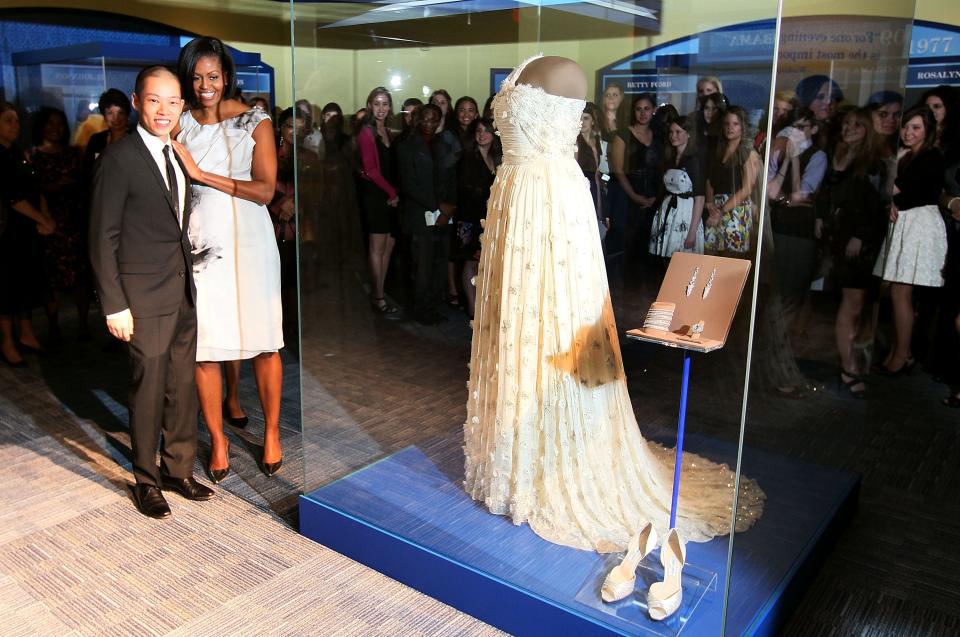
[389, 410]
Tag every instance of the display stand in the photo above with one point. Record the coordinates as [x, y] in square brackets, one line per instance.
[705, 291]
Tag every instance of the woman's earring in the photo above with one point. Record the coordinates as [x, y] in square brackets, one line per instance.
[706, 288]
[693, 279]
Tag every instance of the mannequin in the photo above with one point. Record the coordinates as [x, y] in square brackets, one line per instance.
[556, 75]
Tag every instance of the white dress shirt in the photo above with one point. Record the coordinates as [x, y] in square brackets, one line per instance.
[156, 145]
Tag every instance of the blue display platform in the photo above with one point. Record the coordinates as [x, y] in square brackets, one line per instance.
[408, 517]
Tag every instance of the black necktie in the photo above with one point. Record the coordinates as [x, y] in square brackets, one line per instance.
[172, 180]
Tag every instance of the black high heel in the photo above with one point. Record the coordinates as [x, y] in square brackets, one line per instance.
[217, 475]
[239, 423]
[270, 468]
[380, 306]
[904, 370]
[850, 385]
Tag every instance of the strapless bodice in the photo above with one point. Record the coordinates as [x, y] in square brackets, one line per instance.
[535, 125]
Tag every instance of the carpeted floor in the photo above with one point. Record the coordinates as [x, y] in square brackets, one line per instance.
[76, 558]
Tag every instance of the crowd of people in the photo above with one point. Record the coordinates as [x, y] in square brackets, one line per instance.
[859, 196]
[419, 191]
[861, 199]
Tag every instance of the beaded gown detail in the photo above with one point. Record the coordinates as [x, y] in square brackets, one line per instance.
[551, 438]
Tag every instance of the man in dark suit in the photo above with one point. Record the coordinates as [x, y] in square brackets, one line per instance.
[142, 259]
[428, 181]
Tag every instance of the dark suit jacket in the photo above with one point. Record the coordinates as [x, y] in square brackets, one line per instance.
[141, 257]
[426, 179]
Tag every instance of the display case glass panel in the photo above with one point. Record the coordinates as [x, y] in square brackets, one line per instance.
[387, 411]
[821, 405]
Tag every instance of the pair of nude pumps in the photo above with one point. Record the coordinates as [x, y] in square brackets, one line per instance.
[663, 598]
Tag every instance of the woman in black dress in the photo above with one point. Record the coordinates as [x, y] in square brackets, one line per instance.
[287, 223]
[459, 139]
[590, 147]
[634, 164]
[948, 336]
[476, 169]
[377, 195]
[59, 170]
[851, 214]
[23, 284]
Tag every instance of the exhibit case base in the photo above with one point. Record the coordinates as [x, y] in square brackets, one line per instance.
[408, 517]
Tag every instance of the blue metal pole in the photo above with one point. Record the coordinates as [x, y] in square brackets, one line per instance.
[678, 463]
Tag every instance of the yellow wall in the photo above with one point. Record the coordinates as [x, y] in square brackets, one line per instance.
[464, 70]
[346, 76]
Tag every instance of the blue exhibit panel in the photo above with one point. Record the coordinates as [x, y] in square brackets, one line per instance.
[407, 516]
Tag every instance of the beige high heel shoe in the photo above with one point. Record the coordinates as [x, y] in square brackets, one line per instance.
[622, 577]
[663, 598]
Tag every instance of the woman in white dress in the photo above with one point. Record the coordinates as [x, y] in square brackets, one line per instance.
[230, 154]
[676, 226]
[551, 438]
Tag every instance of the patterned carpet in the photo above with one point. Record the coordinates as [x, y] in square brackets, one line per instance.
[76, 558]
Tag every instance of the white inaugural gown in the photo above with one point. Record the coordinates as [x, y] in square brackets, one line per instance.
[236, 265]
[551, 438]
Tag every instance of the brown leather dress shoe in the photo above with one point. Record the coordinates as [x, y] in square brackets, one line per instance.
[150, 501]
[187, 487]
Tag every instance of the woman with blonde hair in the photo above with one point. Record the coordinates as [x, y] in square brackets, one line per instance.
[612, 105]
[708, 84]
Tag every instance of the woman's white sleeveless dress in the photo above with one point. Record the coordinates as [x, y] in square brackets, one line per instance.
[550, 437]
[236, 265]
